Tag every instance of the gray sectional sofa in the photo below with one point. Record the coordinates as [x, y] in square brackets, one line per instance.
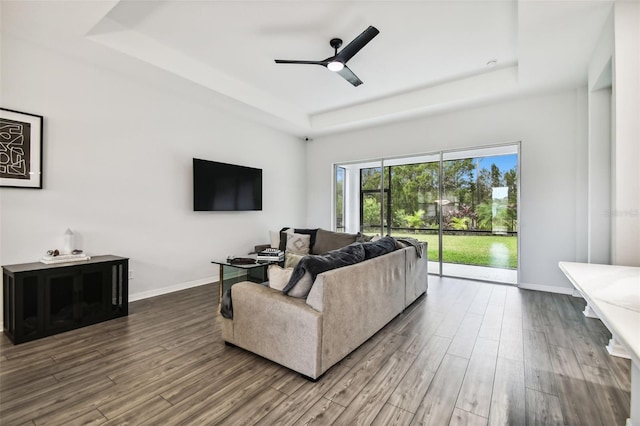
[345, 307]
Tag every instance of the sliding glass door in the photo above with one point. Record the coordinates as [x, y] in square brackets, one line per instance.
[463, 203]
[480, 214]
[414, 210]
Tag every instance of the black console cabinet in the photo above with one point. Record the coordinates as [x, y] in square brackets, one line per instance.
[41, 300]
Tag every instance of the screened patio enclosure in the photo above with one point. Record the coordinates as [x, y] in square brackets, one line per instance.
[463, 203]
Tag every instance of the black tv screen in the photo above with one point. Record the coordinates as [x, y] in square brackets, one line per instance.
[225, 187]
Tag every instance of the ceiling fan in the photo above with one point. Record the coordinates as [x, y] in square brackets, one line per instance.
[338, 62]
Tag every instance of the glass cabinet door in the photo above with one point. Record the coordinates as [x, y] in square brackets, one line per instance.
[59, 301]
[30, 308]
[93, 295]
[116, 290]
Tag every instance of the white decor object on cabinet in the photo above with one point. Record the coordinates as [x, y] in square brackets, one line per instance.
[69, 242]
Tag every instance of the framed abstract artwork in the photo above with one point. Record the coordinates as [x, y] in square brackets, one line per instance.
[20, 149]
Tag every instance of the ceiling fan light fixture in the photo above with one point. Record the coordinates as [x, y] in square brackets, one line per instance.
[335, 66]
[337, 62]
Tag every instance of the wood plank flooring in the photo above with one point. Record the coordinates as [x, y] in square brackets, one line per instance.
[468, 353]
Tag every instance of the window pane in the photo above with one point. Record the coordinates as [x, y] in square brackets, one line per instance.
[480, 217]
[370, 178]
[371, 208]
[414, 207]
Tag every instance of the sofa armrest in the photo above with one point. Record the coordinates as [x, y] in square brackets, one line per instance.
[417, 274]
[280, 328]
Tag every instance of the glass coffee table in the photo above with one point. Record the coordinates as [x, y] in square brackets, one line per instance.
[232, 273]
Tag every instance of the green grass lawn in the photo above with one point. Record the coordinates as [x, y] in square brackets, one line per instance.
[482, 250]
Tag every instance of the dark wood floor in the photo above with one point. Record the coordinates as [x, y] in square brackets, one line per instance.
[467, 353]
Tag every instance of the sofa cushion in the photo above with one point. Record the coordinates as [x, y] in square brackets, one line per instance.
[284, 231]
[311, 266]
[291, 259]
[298, 243]
[278, 276]
[302, 288]
[328, 240]
[377, 248]
[310, 232]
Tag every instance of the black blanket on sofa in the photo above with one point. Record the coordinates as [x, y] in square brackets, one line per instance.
[226, 307]
[408, 241]
[379, 247]
[316, 264]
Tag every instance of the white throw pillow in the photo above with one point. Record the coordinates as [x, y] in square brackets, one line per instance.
[274, 238]
[291, 259]
[279, 277]
[298, 243]
[302, 287]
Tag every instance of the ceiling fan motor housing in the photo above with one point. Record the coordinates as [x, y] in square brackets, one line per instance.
[336, 43]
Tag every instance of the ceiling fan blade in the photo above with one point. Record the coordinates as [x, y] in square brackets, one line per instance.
[348, 75]
[356, 44]
[284, 61]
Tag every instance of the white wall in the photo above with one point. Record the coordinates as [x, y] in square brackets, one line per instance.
[117, 171]
[599, 76]
[626, 139]
[552, 129]
[614, 84]
[599, 209]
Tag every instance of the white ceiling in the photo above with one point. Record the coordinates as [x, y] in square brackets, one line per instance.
[430, 56]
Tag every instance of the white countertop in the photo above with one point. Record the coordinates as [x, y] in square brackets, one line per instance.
[613, 292]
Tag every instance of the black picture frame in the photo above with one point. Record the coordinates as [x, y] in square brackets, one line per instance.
[20, 149]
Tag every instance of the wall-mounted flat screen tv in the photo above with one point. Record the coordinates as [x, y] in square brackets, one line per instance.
[225, 187]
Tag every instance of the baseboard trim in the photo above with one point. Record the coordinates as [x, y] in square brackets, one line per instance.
[547, 288]
[171, 289]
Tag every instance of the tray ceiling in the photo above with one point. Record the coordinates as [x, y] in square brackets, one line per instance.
[430, 56]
